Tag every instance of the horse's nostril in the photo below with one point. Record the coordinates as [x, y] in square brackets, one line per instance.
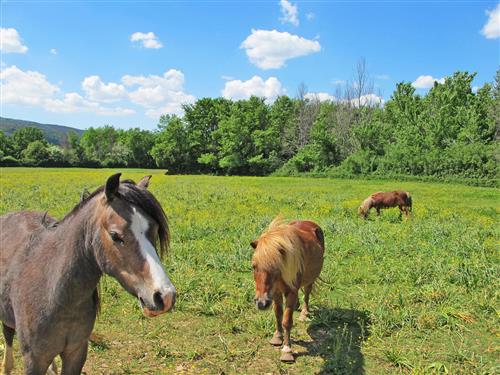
[158, 300]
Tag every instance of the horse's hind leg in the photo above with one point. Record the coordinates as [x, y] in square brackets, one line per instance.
[305, 309]
[8, 355]
[73, 361]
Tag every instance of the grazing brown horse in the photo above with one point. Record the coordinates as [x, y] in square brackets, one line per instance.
[287, 257]
[49, 273]
[401, 199]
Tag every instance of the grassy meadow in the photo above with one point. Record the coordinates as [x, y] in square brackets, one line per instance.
[417, 296]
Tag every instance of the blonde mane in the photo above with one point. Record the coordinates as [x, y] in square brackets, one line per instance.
[280, 247]
[365, 206]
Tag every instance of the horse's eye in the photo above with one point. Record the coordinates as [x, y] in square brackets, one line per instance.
[116, 237]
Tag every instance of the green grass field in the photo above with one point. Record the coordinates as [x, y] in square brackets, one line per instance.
[417, 296]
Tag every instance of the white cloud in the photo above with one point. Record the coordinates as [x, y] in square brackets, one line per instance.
[321, 96]
[74, 103]
[270, 49]
[426, 82]
[310, 16]
[475, 89]
[159, 94]
[256, 86]
[227, 78]
[98, 91]
[382, 77]
[53, 51]
[148, 40]
[10, 41]
[25, 87]
[491, 29]
[33, 89]
[368, 100]
[289, 13]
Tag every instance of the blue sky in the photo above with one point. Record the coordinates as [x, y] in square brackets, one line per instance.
[124, 63]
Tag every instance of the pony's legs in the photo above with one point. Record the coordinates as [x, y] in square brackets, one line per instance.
[403, 209]
[278, 312]
[407, 212]
[72, 362]
[8, 356]
[52, 370]
[286, 351]
[305, 309]
[34, 365]
[378, 211]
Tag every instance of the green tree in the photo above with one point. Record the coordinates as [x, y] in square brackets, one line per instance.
[238, 134]
[36, 153]
[202, 121]
[21, 138]
[171, 148]
[139, 144]
[6, 147]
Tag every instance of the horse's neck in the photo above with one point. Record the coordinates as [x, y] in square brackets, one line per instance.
[75, 273]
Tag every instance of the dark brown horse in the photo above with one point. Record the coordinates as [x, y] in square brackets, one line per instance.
[398, 198]
[49, 271]
[287, 257]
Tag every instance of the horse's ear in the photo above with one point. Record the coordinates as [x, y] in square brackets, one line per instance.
[254, 244]
[144, 183]
[84, 195]
[112, 185]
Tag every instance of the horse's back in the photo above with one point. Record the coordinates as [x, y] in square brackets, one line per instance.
[314, 248]
[16, 229]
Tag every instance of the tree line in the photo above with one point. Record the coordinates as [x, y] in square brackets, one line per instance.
[452, 130]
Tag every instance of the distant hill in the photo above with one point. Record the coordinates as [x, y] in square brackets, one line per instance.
[55, 134]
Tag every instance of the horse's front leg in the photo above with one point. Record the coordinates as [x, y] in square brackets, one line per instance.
[8, 356]
[401, 210]
[74, 359]
[34, 365]
[278, 312]
[290, 303]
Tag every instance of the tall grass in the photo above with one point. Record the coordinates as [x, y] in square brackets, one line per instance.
[399, 296]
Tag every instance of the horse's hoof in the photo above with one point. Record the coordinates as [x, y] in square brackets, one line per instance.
[303, 317]
[287, 357]
[276, 341]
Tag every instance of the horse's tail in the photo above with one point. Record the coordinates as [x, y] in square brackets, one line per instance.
[409, 201]
[320, 236]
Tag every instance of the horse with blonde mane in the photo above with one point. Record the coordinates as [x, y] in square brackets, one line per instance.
[287, 257]
[379, 200]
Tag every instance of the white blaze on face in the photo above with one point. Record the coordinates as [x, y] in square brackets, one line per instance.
[161, 282]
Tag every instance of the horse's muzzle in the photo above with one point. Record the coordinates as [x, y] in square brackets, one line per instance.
[263, 304]
[163, 302]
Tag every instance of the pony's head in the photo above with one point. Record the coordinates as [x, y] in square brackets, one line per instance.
[130, 223]
[365, 207]
[277, 258]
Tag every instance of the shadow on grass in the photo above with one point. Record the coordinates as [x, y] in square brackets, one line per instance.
[337, 337]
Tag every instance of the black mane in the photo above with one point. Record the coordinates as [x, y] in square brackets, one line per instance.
[137, 196]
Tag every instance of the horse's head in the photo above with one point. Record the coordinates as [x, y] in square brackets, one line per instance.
[365, 207]
[265, 275]
[131, 221]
